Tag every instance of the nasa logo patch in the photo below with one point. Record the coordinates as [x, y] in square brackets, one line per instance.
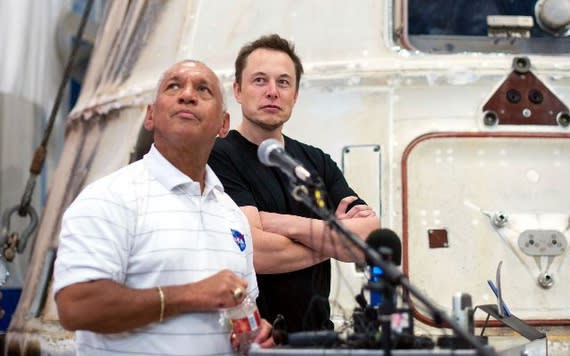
[239, 239]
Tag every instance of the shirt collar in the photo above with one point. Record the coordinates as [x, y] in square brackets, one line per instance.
[171, 177]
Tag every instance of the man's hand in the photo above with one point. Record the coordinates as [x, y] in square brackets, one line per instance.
[218, 290]
[263, 337]
[357, 211]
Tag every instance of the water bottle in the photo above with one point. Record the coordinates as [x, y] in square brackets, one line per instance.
[245, 321]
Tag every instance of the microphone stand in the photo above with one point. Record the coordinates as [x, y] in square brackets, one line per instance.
[391, 273]
[385, 311]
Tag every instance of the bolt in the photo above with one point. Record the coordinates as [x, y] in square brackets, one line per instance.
[490, 118]
[545, 280]
[563, 118]
[500, 219]
[526, 113]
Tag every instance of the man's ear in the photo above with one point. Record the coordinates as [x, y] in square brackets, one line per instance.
[237, 92]
[149, 118]
[225, 125]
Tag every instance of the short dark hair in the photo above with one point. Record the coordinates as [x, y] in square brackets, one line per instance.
[274, 42]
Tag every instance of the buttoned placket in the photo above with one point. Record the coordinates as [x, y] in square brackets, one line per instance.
[191, 191]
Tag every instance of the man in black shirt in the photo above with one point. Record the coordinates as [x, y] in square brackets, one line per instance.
[292, 247]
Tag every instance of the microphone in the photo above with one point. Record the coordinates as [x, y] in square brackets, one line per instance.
[386, 241]
[388, 244]
[272, 154]
[396, 323]
[313, 338]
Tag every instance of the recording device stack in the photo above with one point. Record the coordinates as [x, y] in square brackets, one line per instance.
[380, 321]
[383, 319]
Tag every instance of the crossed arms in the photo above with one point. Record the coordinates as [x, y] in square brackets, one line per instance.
[285, 243]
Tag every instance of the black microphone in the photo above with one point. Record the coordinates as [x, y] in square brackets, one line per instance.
[396, 323]
[386, 242]
[272, 154]
[313, 338]
[388, 245]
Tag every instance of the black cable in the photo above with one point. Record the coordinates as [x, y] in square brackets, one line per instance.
[67, 72]
[40, 153]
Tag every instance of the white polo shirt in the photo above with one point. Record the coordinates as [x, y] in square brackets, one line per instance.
[148, 225]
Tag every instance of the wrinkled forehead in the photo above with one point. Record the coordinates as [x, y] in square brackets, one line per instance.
[190, 69]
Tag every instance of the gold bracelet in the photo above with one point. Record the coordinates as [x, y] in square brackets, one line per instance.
[161, 294]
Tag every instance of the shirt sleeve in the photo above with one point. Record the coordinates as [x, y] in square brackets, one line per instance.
[229, 172]
[336, 184]
[252, 288]
[93, 242]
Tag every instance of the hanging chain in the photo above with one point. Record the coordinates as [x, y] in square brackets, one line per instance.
[12, 240]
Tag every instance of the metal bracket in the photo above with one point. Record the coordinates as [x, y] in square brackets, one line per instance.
[522, 99]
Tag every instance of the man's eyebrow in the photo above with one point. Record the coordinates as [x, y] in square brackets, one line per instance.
[279, 76]
[198, 80]
[204, 79]
[258, 73]
[169, 79]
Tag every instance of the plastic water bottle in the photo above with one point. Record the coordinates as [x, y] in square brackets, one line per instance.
[245, 321]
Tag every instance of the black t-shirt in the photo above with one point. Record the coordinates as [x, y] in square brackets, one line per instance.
[300, 296]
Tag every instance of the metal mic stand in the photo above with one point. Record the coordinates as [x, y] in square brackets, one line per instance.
[391, 273]
[384, 306]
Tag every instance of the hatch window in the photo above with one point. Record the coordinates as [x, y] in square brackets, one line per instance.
[508, 26]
